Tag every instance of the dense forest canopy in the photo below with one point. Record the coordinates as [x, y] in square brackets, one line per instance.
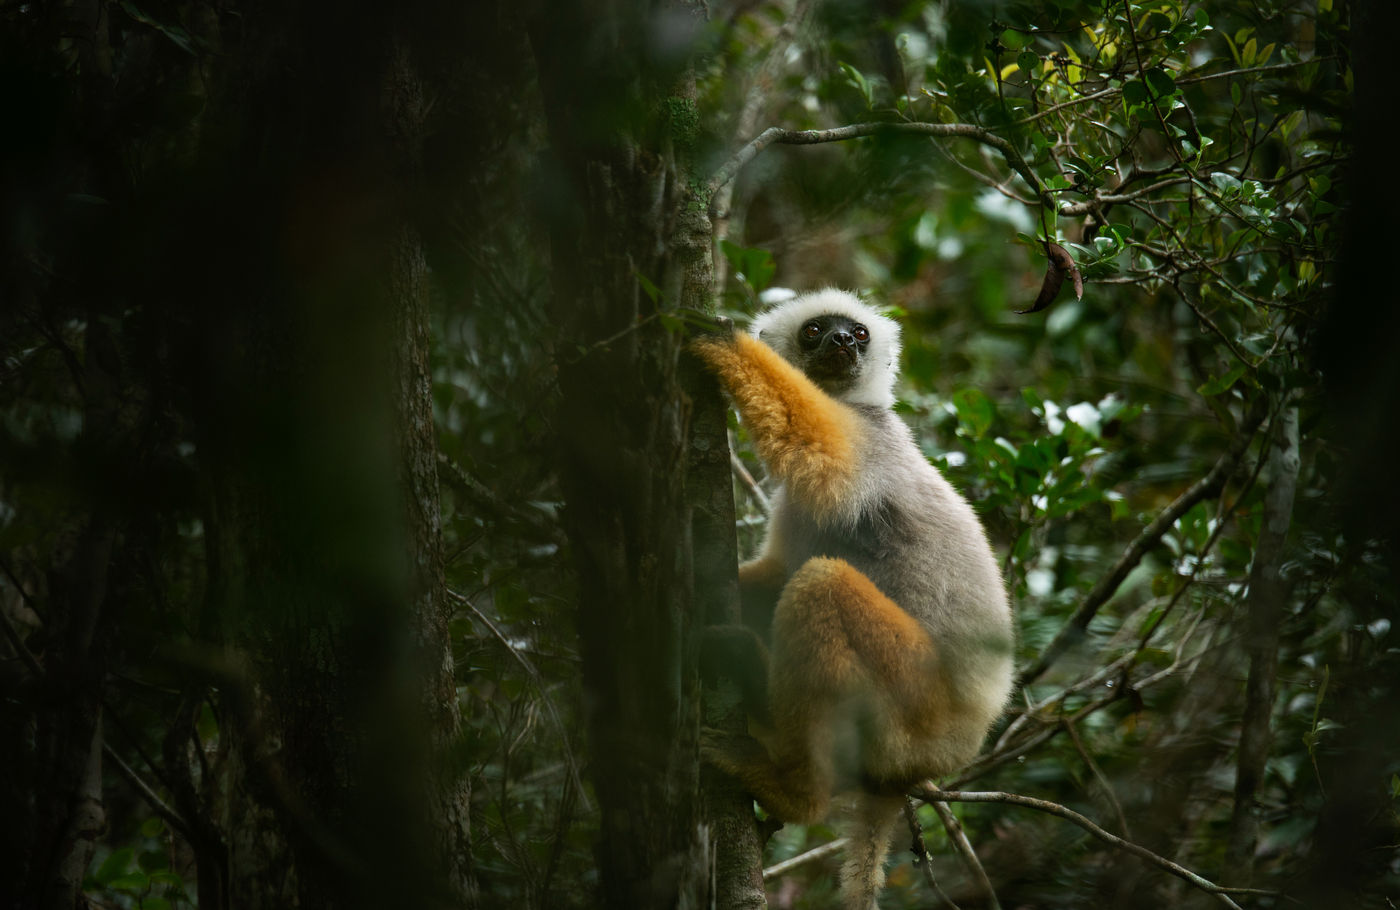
[360, 507]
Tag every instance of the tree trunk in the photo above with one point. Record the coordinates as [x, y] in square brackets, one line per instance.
[728, 809]
[322, 520]
[629, 244]
[1266, 608]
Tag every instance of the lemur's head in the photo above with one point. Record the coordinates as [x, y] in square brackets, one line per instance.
[843, 345]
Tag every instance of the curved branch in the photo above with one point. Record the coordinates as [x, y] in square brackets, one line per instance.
[929, 793]
[775, 134]
[963, 846]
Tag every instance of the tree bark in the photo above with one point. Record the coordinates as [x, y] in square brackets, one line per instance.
[1266, 606]
[727, 808]
[628, 245]
[317, 433]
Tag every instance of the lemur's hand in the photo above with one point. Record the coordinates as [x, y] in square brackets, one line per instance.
[711, 338]
[704, 325]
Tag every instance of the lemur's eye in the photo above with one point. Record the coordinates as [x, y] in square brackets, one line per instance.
[811, 330]
[862, 333]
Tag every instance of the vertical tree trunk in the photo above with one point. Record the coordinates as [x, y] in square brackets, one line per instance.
[627, 248]
[52, 721]
[323, 518]
[727, 808]
[1265, 607]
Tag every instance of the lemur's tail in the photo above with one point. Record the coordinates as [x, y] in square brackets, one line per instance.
[868, 834]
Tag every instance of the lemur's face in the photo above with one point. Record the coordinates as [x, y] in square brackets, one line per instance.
[832, 348]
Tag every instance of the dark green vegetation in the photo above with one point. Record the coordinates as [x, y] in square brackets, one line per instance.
[352, 482]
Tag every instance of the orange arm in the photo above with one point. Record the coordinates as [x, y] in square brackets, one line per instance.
[808, 440]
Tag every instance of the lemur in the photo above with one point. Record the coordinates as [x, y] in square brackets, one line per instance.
[881, 640]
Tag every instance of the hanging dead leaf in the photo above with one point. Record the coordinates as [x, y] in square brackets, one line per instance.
[1060, 264]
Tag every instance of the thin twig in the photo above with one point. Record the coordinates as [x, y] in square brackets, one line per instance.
[816, 853]
[147, 793]
[921, 854]
[538, 680]
[1185, 80]
[21, 649]
[145, 790]
[958, 836]
[931, 794]
[760, 498]
[1099, 776]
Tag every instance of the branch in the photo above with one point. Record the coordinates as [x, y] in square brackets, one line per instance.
[147, 793]
[16, 642]
[730, 168]
[1084, 208]
[741, 472]
[1099, 776]
[534, 674]
[1185, 80]
[1266, 606]
[958, 836]
[815, 853]
[1208, 485]
[931, 794]
[921, 854]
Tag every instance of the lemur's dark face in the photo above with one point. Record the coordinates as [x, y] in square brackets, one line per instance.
[833, 350]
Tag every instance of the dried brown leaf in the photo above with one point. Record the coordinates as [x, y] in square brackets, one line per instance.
[1060, 263]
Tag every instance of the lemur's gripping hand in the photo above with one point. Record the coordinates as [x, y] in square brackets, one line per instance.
[704, 325]
[713, 339]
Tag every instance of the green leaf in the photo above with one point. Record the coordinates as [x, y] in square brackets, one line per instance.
[1160, 82]
[1223, 383]
[132, 881]
[752, 265]
[648, 287]
[177, 35]
[1013, 40]
[1227, 184]
[975, 411]
[114, 865]
[856, 78]
[153, 860]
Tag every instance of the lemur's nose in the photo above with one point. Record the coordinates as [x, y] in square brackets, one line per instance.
[843, 339]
